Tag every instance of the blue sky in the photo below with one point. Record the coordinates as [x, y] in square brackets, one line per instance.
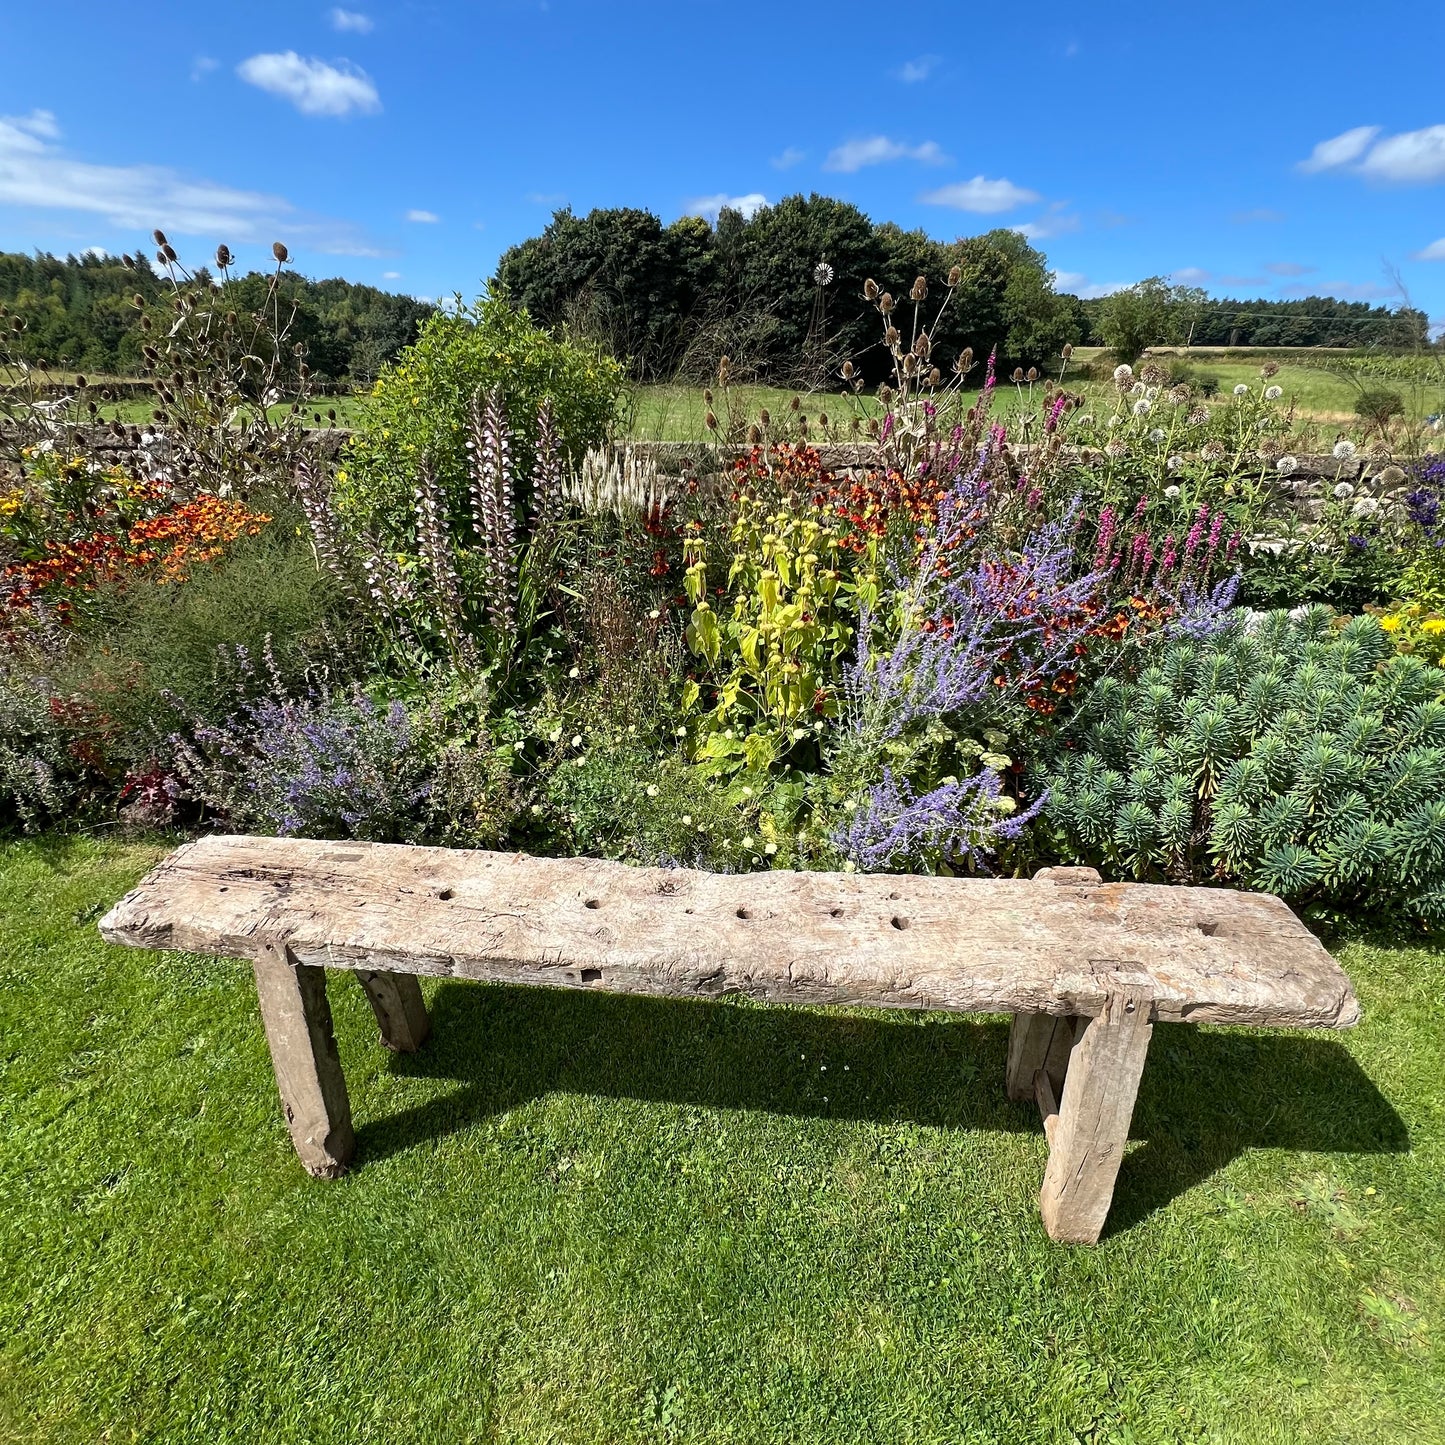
[1274, 150]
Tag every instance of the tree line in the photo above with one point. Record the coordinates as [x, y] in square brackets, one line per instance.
[79, 312]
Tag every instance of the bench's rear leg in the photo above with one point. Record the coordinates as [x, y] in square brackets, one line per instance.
[1092, 1126]
[297, 1016]
[1037, 1041]
[400, 1010]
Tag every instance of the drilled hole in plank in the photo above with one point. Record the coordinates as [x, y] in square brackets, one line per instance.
[1209, 930]
[745, 913]
[594, 903]
[835, 913]
[900, 922]
[446, 894]
[591, 975]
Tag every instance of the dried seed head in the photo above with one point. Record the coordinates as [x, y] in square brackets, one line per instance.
[710, 422]
[885, 393]
[1018, 374]
[160, 258]
[707, 395]
[796, 402]
[1033, 373]
[765, 417]
[159, 237]
[870, 290]
[920, 289]
[1068, 351]
[910, 365]
[886, 302]
[1269, 369]
[935, 377]
[80, 382]
[755, 434]
[955, 275]
[847, 371]
[279, 251]
[223, 256]
[823, 420]
[922, 346]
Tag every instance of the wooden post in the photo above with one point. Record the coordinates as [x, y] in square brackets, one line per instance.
[1088, 1140]
[400, 1010]
[297, 1017]
[1037, 1041]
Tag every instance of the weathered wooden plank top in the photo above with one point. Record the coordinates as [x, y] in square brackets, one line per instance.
[1055, 945]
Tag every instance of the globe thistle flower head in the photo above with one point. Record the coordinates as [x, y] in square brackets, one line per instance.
[1343, 491]
[1273, 393]
[1287, 466]
[1269, 369]
[1241, 390]
[1344, 451]
[1123, 373]
[1198, 416]
[1143, 406]
[1172, 492]
[1116, 448]
[1212, 451]
[1157, 435]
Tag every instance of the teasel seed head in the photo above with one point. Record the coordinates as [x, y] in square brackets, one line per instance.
[870, 290]
[955, 275]
[847, 371]
[710, 422]
[885, 393]
[707, 395]
[755, 434]
[1067, 352]
[1033, 373]
[160, 258]
[796, 402]
[1018, 374]
[159, 237]
[765, 417]
[279, 251]
[886, 302]
[920, 289]
[1270, 368]
[223, 255]
[935, 377]
[922, 346]
[823, 420]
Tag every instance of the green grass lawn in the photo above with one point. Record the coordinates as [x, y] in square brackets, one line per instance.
[586, 1218]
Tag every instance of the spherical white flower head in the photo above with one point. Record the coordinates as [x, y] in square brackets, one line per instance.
[1365, 507]
[1263, 424]
[1123, 373]
[1152, 393]
[1287, 466]
[1171, 492]
[1137, 389]
[1176, 464]
[1241, 390]
[1115, 420]
[1344, 451]
[1143, 407]
[1273, 393]
[1343, 490]
[1157, 435]
[1087, 419]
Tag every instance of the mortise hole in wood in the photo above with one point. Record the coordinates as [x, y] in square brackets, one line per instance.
[591, 975]
[745, 913]
[835, 913]
[1209, 930]
[446, 894]
[900, 923]
[593, 903]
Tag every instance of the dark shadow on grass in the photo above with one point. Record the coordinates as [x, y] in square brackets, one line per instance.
[1206, 1096]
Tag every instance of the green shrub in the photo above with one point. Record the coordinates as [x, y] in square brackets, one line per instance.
[1298, 758]
[422, 407]
[1378, 404]
[153, 652]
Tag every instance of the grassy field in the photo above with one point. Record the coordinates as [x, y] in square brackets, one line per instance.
[589, 1218]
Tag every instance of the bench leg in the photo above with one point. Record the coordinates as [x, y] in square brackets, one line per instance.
[1092, 1125]
[1037, 1041]
[400, 1010]
[297, 1017]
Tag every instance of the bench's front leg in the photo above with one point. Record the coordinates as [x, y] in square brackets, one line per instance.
[297, 1016]
[400, 1010]
[1088, 1136]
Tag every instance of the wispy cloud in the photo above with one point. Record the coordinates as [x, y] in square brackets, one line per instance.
[1191, 276]
[788, 158]
[1075, 283]
[1259, 216]
[314, 87]
[1241, 280]
[391, 275]
[1435, 251]
[878, 150]
[1287, 268]
[710, 207]
[351, 22]
[202, 66]
[982, 196]
[1414, 157]
[1058, 220]
[423, 218]
[914, 72]
[1344, 290]
[35, 171]
[546, 198]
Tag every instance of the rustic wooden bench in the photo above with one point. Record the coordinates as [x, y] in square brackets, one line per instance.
[1084, 967]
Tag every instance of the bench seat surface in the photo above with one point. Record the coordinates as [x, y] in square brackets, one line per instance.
[1055, 945]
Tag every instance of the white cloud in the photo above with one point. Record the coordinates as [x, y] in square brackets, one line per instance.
[1343, 290]
[981, 195]
[710, 207]
[1416, 155]
[550, 199]
[423, 218]
[1075, 283]
[1287, 268]
[36, 172]
[202, 66]
[1435, 251]
[877, 150]
[312, 86]
[351, 22]
[1056, 221]
[1190, 276]
[1241, 280]
[1413, 156]
[788, 159]
[1330, 155]
[911, 72]
[391, 275]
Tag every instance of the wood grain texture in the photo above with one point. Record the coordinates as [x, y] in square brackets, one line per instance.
[1091, 1121]
[1056, 946]
[400, 1010]
[297, 1017]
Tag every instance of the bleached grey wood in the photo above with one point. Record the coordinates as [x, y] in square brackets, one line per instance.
[400, 1010]
[986, 945]
[297, 1019]
[1048, 1102]
[1035, 1042]
[1087, 1143]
